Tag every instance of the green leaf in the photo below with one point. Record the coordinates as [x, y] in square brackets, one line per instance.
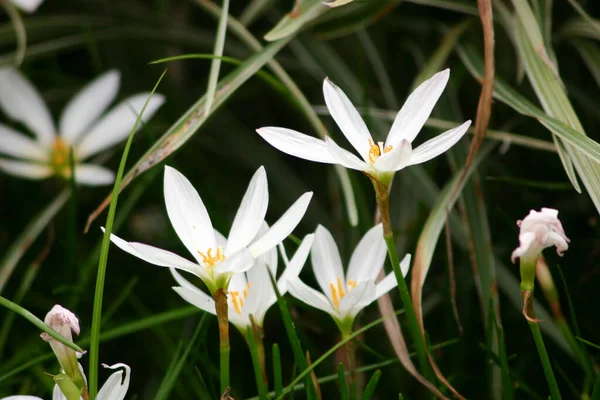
[277, 374]
[342, 382]
[262, 390]
[215, 65]
[371, 386]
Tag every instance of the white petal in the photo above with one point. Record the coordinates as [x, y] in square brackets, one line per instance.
[297, 144]
[310, 296]
[385, 285]
[187, 213]
[198, 298]
[405, 264]
[57, 394]
[28, 6]
[417, 108]
[21, 397]
[368, 257]
[396, 159]
[24, 169]
[283, 227]
[156, 256]
[344, 157]
[347, 118]
[439, 144]
[181, 279]
[115, 126]
[357, 298]
[115, 387]
[326, 260]
[296, 264]
[250, 214]
[18, 145]
[259, 291]
[87, 105]
[221, 240]
[22, 102]
[93, 175]
[237, 262]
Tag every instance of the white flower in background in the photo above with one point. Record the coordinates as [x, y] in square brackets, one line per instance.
[539, 230]
[251, 292]
[81, 127]
[115, 387]
[66, 323]
[379, 160]
[27, 5]
[347, 294]
[218, 259]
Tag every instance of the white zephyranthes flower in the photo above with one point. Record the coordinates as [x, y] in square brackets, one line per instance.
[217, 259]
[539, 230]
[81, 127]
[115, 387]
[379, 160]
[251, 292]
[27, 5]
[347, 294]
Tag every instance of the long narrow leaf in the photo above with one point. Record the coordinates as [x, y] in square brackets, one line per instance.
[215, 65]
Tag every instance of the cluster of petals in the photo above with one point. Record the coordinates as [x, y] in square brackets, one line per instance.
[250, 293]
[539, 230]
[344, 295]
[27, 5]
[379, 160]
[217, 258]
[84, 128]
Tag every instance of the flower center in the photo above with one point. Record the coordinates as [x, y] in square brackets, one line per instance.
[376, 150]
[337, 290]
[209, 260]
[238, 300]
[59, 156]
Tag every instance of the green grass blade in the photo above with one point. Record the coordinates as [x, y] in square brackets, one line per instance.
[215, 65]
[38, 323]
[461, 6]
[27, 237]
[371, 386]
[342, 382]
[260, 385]
[99, 292]
[303, 12]
[194, 118]
[596, 390]
[277, 373]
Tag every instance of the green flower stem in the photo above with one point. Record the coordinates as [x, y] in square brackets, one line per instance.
[260, 350]
[383, 202]
[541, 348]
[222, 317]
[351, 364]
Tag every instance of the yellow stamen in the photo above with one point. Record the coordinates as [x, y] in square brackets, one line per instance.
[211, 261]
[340, 288]
[351, 284]
[236, 302]
[246, 290]
[334, 296]
[375, 150]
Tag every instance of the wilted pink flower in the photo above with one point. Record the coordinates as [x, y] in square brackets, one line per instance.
[540, 230]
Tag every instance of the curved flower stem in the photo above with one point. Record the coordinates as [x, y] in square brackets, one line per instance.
[351, 364]
[541, 348]
[260, 350]
[222, 317]
[383, 202]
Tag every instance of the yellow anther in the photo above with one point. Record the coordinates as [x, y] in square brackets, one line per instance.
[334, 295]
[340, 288]
[351, 284]
[375, 150]
[208, 258]
[59, 157]
[237, 302]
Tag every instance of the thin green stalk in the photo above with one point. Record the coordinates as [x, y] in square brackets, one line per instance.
[222, 310]
[539, 343]
[258, 361]
[383, 202]
[342, 382]
[351, 365]
[277, 375]
[100, 277]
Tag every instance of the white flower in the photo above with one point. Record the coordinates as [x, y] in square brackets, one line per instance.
[540, 230]
[251, 292]
[115, 387]
[81, 127]
[64, 322]
[27, 5]
[217, 259]
[347, 294]
[379, 160]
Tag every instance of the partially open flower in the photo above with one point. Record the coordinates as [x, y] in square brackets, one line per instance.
[540, 230]
[64, 322]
